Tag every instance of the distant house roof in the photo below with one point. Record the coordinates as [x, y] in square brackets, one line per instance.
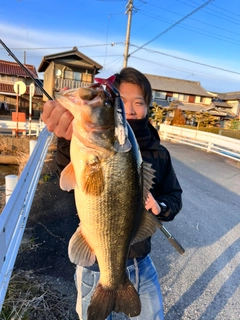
[214, 111]
[71, 58]
[229, 96]
[222, 104]
[163, 103]
[185, 106]
[7, 88]
[177, 85]
[13, 69]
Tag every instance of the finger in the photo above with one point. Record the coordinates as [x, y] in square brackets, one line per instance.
[64, 127]
[47, 110]
[57, 111]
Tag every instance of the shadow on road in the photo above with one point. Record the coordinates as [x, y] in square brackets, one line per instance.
[204, 283]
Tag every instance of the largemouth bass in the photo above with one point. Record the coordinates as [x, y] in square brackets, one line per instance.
[109, 192]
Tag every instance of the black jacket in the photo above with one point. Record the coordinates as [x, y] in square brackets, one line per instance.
[166, 188]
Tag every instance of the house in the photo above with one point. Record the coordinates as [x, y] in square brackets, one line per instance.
[189, 96]
[10, 73]
[67, 69]
[189, 93]
[228, 102]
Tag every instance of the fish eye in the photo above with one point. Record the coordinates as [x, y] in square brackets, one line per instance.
[107, 103]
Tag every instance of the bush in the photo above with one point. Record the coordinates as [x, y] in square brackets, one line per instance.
[235, 134]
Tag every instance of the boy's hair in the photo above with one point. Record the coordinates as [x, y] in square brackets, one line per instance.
[131, 75]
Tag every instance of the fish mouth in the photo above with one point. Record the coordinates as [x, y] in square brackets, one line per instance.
[90, 126]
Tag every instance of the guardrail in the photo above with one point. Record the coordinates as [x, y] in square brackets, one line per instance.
[33, 127]
[222, 145]
[14, 216]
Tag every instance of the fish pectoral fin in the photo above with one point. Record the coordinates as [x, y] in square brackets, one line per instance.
[67, 178]
[148, 176]
[92, 178]
[123, 299]
[146, 228]
[79, 251]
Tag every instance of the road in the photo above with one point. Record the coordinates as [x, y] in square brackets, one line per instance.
[204, 283]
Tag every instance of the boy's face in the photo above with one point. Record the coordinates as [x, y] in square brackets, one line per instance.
[134, 104]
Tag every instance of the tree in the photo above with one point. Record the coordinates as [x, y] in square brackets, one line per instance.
[178, 117]
[157, 113]
[205, 119]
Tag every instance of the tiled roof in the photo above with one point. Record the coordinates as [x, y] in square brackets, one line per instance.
[214, 111]
[163, 103]
[72, 57]
[221, 104]
[195, 107]
[8, 88]
[229, 96]
[13, 69]
[177, 86]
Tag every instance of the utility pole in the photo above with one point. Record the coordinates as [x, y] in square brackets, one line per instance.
[129, 7]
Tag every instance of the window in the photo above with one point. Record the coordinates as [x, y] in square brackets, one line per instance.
[183, 97]
[77, 76]
[160, 95]
[68, 74]
[180, 97]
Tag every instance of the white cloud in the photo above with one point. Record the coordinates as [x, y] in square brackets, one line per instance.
[111, 57]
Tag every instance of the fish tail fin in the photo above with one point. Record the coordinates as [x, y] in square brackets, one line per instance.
[104, 300]
[127, 300]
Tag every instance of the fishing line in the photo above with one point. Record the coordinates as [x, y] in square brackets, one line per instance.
[37, 81]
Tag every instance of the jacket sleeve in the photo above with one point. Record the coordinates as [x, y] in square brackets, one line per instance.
[167, 188]
[62, 154]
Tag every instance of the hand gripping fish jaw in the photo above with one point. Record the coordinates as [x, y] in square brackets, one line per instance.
[122, 144]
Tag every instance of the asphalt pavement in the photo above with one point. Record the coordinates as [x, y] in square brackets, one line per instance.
[204, 283]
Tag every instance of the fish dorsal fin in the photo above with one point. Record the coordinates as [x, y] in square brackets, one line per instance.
[67, 178]
[148, 176]
[146, 228]
[79, 251]
[92, 178]
[147, 225]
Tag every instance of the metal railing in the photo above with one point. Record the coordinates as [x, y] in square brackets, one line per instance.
[32, 128]
[14, 216]
[219, 144]
[61, 83]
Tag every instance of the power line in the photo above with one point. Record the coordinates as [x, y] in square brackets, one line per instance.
[176, 13]
[198, 30]
[53, 48]
[188, 60]
[176, 23]
[185, 70]
[213, 13]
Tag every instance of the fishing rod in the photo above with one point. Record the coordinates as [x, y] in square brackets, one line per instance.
[169, 236]
[37, 81]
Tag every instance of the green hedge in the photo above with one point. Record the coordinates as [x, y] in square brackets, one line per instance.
[235, 134]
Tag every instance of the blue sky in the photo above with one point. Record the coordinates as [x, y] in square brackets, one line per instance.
[203, 46]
